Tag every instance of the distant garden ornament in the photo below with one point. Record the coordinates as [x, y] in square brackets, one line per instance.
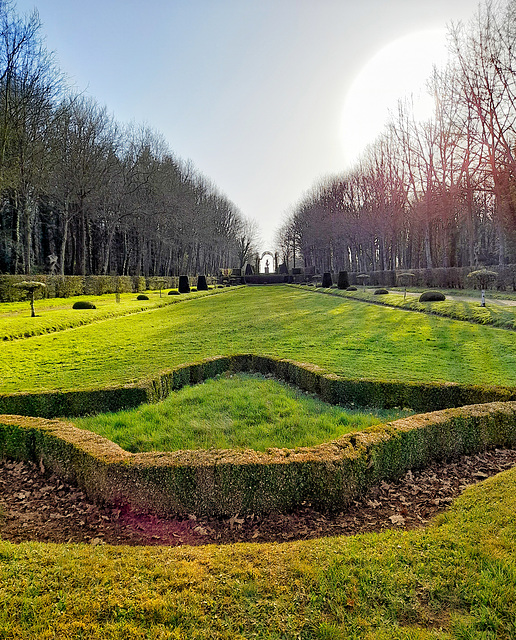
[484, 278]
[30, 287]
[405, 278]
[363, 277]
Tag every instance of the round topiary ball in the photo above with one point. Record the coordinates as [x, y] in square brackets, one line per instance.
[83, 304]
[432, 296]
[380, 292]
[351, 288]
[142, 297]
[173, 293]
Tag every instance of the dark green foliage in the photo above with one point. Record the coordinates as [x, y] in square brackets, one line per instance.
[184, 285]
[343, 280]
[202, 285]
[326, 280]
[173, 293]
[142, 297]
[380, 292]
[351, 288]
[83, 304]
[432, 296]
[193, 289]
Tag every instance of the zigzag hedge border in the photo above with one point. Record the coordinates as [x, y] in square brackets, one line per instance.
[225, 482]
[308, 377]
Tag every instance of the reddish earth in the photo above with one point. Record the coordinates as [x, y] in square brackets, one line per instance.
[37, 506]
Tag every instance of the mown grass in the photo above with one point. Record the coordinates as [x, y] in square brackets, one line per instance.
[56, 314]
[343, 336]
[456, 579]
[233, 412]
[496, 315]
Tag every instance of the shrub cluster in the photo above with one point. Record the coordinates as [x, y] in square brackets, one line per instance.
[83, 304]
[432, 296]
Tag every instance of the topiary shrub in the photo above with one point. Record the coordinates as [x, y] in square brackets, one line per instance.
[326, 280]
[343, 280]
[193, 289]
[202, 285]
[380, 292]
[83, 304]
[173, 293]
[184, 285]
[351, 288]
[432, 296]
[142, 297]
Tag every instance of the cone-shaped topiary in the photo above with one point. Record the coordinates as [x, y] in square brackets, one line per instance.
[326, 280]
[184, 285]
[343, 280]
[83, 304]
[432, 296]
[202, 285]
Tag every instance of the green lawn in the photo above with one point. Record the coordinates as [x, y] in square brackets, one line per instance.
[346, 337]
[456, 579]
[232, 412]
[56, 314]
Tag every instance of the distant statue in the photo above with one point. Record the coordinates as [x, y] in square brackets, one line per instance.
[52, 259]
[266, 266]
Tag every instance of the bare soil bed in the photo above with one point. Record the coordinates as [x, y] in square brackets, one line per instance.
[35, 505]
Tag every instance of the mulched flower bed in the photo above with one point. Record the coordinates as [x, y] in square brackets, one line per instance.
[37, 506]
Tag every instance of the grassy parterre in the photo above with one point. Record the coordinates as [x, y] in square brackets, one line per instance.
[455, 579]
[344, 336]
[232, 412]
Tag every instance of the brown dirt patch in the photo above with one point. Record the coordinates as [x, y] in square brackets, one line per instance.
[37, 506]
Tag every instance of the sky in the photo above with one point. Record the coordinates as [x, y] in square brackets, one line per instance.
[265, 97]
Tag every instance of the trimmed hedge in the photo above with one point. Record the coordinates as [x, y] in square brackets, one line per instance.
[83, 304]
[328, 386]
[432, 296]
[225, 482]
[380, 292]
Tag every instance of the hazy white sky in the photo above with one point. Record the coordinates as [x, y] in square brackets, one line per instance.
[259, 94]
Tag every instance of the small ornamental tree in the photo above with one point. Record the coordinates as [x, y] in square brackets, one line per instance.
[363, 277]
[484, 278]
[405, 278]
[30, 288]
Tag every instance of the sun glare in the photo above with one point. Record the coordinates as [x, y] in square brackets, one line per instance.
[399, 69]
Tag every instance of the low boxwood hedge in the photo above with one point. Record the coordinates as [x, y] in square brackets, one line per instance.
[225, 482]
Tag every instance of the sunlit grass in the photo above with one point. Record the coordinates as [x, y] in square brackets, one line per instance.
[456, 579]
[231, 412]
[345, 337]
[57, 314]
[496, 313]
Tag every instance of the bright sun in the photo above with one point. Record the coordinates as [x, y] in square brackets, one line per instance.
[399, 69]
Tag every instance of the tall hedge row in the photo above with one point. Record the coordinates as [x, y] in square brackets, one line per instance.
[443, 278]
[225, 482]
[68, 286]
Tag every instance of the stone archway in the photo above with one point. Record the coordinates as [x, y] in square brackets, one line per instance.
[267, 266]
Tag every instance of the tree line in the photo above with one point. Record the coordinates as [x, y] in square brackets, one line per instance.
[82, 194]
[433, 193]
